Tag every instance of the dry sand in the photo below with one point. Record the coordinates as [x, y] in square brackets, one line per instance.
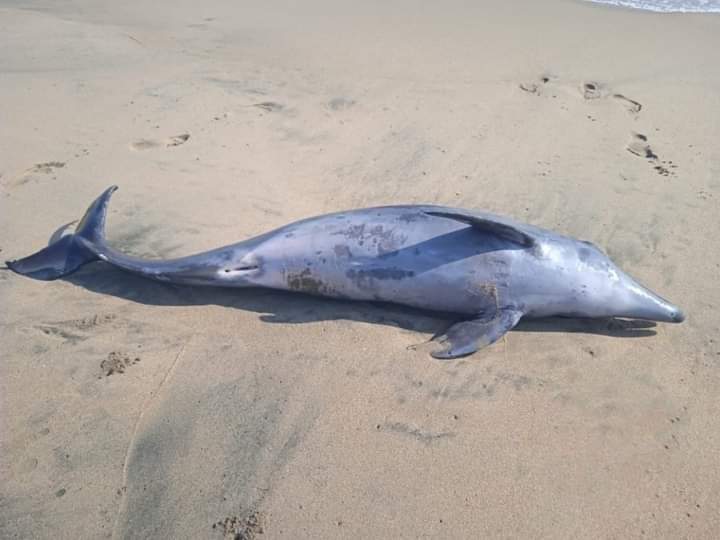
[137, 410]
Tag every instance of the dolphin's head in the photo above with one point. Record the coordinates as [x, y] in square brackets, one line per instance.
[601, 289]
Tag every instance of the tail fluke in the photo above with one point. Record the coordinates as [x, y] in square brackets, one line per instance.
[68, 252]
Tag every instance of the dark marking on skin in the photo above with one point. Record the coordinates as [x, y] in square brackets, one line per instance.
[384, 240]
[353, 232]
[584, 254]
[486, 297]
[361, 232]
[500, 265]
[381, 273]
[305, 282]
[342, 251]
[364, 278]
[593, 257]
[410, 217]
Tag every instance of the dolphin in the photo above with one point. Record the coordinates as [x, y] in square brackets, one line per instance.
[489, 270]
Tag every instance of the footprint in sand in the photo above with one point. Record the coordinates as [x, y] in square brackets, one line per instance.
[340, 104]
[535, 87]
[595, 90]
[639, 146]
[47, 168]
[590, 90]
[631, 105]
[269, 106]
[34, 172]
[73, 331]
[147, 144]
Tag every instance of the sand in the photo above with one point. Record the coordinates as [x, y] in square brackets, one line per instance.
[131, 409]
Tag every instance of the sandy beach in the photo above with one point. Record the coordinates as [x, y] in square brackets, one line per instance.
[134, 409]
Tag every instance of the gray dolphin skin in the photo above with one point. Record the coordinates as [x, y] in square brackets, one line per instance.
[487, 269]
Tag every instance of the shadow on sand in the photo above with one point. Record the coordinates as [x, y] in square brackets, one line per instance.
[295, 308]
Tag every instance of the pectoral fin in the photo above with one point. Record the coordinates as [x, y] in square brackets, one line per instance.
[466, 337]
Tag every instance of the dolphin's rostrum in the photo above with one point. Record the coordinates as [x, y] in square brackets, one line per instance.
[488, 269]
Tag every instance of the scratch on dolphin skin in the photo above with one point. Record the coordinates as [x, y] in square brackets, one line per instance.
[143, 410]
[426, 437]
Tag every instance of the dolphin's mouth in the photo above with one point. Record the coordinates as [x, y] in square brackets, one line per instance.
[644, 304]
[244, 268]
[241, 271]
[678, 316]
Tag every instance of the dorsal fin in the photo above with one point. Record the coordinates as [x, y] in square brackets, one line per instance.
[503, 230]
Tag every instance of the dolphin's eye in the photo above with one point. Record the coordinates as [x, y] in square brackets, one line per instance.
[593, 247]
[596, 250]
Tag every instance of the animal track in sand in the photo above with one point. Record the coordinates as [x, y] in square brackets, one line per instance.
[117, 362]
[147, 144]
[235, 528]
[639, 146]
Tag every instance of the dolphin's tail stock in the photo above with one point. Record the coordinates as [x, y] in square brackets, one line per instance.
[68, 252]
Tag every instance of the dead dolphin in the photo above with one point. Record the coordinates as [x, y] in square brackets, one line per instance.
[489, 269]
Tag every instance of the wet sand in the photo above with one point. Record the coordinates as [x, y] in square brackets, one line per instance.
[132, 409]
